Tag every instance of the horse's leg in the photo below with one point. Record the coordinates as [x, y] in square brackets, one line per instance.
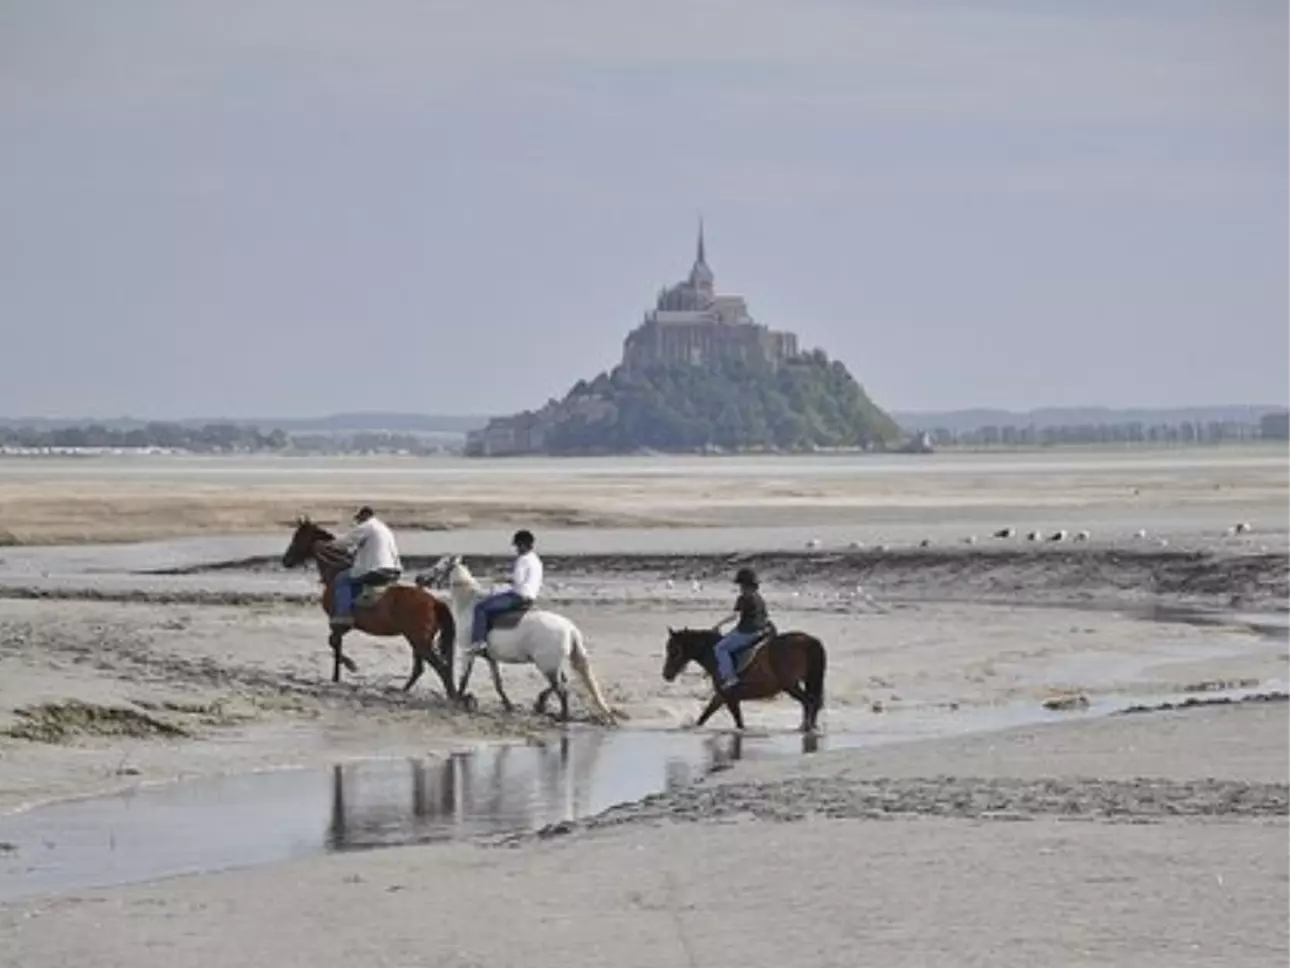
[733, 706]
[539, 707]
[562, 690]
[497, 684]
[443, 671]
[715, 703]
[555, 684]
[339, 658]
[465, 678]
[798, 693]
[418, 666]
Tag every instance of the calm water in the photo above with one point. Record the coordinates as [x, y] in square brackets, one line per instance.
[252, 470]
[243, 820]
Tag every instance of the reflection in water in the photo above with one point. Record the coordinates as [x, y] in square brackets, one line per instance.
[510, 788]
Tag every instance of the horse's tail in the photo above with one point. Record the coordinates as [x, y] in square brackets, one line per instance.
[581, 663]
[816, 662]
[446, 623]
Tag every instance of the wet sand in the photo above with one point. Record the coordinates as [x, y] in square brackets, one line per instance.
[934, 884]
[892, 497]
[147, 663]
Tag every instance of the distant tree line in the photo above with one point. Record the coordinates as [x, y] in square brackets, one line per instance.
[222, 438]
[208, 439]
[1272, 427]
[375, 442]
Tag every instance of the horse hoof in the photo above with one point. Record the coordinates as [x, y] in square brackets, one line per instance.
[468, 702]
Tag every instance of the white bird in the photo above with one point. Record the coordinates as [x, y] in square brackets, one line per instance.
[695, 586]
[1243, 527]
[970, 539]
[1140, 533]
[1082, 536]
[813, 543]
[1058, 535]
[1033, 536]
[1005, 532]
[670, 583]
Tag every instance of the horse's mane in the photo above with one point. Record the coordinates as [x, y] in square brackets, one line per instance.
[329, 554]
[468, 576]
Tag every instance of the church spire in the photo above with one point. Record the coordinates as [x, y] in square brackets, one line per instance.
[701, 274]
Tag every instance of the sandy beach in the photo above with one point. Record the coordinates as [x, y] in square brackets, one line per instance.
[979, 795]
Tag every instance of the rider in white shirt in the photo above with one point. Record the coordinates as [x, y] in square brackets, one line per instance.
[376, 562]
[526, 583]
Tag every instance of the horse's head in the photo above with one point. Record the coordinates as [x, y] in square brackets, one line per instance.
[685, 646]
[443, 573]
[306, 535]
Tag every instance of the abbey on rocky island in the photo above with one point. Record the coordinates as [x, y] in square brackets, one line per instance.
[691, 323]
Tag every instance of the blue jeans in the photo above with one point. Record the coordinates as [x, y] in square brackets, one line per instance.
[731, 643]
[343, 589]
[494, 604]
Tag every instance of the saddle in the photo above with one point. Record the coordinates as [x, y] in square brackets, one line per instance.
[509, 618]
[373, 587]
[744, 657]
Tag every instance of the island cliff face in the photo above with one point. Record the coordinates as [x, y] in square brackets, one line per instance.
[699, 373]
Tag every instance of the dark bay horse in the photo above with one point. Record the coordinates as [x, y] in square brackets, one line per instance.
[791, 662]
[405, 610]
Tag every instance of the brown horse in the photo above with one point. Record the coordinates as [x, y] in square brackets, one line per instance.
[405, 610]
[791, 662]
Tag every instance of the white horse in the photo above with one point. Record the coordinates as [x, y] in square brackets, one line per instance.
[548, 640]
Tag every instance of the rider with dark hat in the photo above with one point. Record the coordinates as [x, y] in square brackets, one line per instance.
[750, 610]
[526, 583]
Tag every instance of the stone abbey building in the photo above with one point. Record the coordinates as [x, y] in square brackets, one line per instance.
[690, 323]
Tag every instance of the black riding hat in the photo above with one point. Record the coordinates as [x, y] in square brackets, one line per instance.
[363, 513]
[523, 538]
[746, 576]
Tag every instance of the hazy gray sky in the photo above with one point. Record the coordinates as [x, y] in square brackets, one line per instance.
[297, 206]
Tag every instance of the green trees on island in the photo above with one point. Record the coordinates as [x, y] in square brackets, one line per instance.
[807, 402]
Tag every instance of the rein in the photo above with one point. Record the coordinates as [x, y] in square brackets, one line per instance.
[330, 559]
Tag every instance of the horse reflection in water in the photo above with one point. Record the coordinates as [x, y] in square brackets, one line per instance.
[510, 788]
[500, 790]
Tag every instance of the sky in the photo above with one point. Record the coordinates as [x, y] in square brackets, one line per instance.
[297, 207]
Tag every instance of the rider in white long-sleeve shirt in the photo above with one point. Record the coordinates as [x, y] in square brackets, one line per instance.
[526, 583]
[376, 562]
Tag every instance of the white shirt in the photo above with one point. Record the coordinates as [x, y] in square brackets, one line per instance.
[373, 546]
[526, 577]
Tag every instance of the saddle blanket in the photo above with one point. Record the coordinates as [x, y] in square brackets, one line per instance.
[369, 595]
[745, 656]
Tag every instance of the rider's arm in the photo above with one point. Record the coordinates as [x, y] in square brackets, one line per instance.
[352, 538]
[729, 618]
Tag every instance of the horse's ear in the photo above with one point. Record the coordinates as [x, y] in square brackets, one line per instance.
[671, 631]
